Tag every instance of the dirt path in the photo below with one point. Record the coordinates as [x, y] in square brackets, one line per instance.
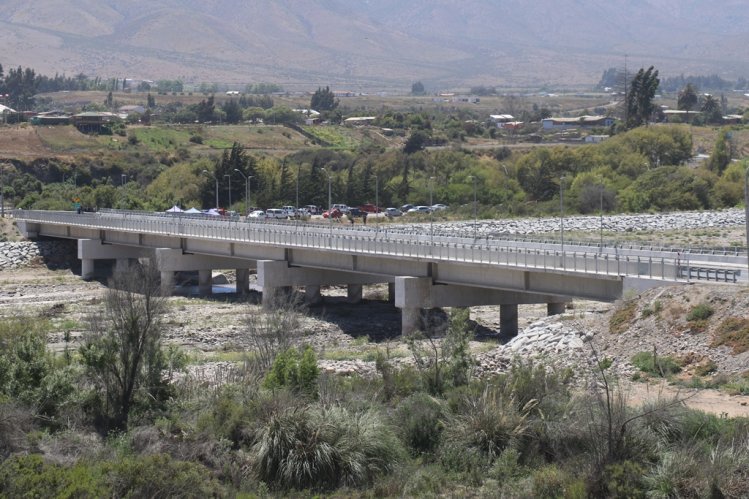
[707, 400]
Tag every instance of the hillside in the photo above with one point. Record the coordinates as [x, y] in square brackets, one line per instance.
[366, 45]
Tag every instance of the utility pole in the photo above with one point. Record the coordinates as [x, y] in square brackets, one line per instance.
[561, 214]
[227, 176]
[209, 174]
[475, 209]
[746, 213]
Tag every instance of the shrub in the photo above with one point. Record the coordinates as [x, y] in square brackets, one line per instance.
[700, 312]
[160, 476]
[734, 333]
[655, 365]
[196, 139]
[31, 476]
[420, 419]
[623, 317]
[294, 371]
[322, 449]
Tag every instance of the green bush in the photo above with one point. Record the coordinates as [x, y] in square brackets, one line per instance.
[31, 476]
[420, 420]
[659, 365]
[323, 449]
[700, 312]
[160, 476]
[294, 371]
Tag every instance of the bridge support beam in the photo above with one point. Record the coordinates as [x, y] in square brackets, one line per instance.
[243, 281]
[90, 250]
[167, 282]
[205, 282]
[508, 320]
[312, 295]
[355, 293]
[273, 274]
[555, 308]
[87, 268]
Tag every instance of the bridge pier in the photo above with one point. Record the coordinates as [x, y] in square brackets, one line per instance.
[555, 308]
[312, 295]
[354, 293]
[90, 250]
[205, 282]
[508, 320]
[167, 282]
[243, 281]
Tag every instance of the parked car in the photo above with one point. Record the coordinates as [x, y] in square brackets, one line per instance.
[393, 212]
[257, 214]
[355, 212]
[370, 208]
[334, 213]
[406, 207]
[439, 207]
[289, 210]
[342, 207]
[276, 213]
[420, 209]
[313, 210]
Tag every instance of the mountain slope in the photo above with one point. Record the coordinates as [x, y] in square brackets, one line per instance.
[375, 43]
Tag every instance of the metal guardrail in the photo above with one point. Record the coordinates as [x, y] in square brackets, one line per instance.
[382, 241]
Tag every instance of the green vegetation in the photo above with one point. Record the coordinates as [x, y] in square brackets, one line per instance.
[661, 366]
[623, 316]
[733, 332]
[700, 312]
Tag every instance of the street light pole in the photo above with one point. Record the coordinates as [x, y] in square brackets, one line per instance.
[216, 179]
[746, 213]
[330, 211]
[123, 179]
[2, 188]
[561, 214]
[246, 190]
[229, 177]
[601, 230]
[377, 200]
[475, 209]
[298, 171]
[431, 210]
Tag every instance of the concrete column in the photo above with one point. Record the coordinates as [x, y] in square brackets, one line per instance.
[410, 321]
[167, 282]
[87, 268]
[205, 282]
[391, 292]
[555, 308]
[508, 320]
[243, 281]
[312, 295]
[355, 293]
[121, 264]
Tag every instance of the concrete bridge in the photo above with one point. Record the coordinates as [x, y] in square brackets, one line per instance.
[422, 270]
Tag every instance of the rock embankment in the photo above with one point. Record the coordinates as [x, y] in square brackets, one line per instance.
[56, 254]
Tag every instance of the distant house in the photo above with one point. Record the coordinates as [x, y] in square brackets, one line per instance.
[595, 139]
[5, 111]
[579, 122]
[501, 119]
[679, 115]
[310, 113]
[733, 119]
[130, 110]
[51, 118]
[359, 120]
[93, 121]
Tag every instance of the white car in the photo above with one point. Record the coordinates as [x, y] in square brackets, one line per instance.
[420, 209]
[393, 212]
[276, 213]
[290, 211]
[439, 207]
[257, 214]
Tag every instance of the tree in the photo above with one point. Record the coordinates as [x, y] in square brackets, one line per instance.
[122, 352]
[417, 88]
[416, 142]
[151, 101]
[233, 111]
[711, 110]
[205, 110]
[721, 156]
[687, 98]
[323, 100]
[639, 99]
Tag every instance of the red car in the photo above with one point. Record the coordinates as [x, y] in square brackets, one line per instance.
[370, 208]
[335, 213]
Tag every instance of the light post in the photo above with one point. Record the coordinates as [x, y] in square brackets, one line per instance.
[746, 213]
[475, 209]
[246, 190]
[123, 179]
[330, 211]
[561, 214]
[227, 176]
[431, 210]
[2, 188]
[600, 192]
[209, 174]
[298, 170]
[377, 200]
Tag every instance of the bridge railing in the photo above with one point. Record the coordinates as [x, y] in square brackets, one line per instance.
[387, 243]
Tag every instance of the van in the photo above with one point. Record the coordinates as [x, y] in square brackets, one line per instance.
[275, 213]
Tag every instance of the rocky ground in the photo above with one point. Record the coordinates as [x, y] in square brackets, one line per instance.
[347, 337]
